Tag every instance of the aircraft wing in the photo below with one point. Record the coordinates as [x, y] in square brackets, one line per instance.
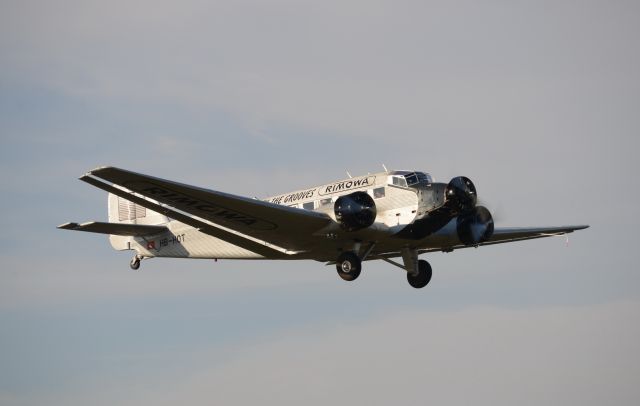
[512, 234]
[502, 235]
[286, 227]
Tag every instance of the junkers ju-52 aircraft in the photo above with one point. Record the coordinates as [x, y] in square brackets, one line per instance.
[387, 215]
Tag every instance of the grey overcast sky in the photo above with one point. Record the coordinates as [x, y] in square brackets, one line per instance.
[537, 101]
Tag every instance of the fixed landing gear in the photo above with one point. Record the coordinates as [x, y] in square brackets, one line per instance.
[421, 277]
[135, 262]
[348, 266]
[418, 271]
[349, 263]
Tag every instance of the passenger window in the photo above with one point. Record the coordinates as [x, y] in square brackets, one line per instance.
[308, 206]
[378, 193]
[325, 202]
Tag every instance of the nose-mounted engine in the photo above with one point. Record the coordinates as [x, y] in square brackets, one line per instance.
[474, 223]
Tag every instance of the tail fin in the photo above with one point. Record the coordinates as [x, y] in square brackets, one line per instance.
[122, 211]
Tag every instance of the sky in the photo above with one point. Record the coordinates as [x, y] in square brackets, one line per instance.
[536, 101]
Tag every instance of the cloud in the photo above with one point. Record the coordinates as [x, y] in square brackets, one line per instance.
[366, 69]
[448, 88]
[100, 275]
[480, 355]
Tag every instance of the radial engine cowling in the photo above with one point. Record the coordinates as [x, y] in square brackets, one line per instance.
[475, 227]
[461, 194]
[355, 211]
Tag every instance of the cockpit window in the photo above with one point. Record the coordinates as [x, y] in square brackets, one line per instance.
[411, 179]
[399, 181]
[424, 177]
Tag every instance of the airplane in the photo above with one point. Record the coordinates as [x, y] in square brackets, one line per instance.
[381, 216]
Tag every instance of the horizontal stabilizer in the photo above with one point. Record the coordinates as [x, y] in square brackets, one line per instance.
[134, 230]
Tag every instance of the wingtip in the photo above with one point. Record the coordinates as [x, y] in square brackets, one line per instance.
[99, 168]
[571, 229]
[95, 170]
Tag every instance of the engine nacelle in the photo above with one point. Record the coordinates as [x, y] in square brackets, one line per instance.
[461, 194]
[475, 227]
[355, 211]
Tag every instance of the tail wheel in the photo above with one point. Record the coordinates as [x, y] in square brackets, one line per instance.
[348, 266]
[135, 263]
[422, 278]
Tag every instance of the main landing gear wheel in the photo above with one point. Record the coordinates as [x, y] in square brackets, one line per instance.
[135, 263]
[422, 278]
[348, 266]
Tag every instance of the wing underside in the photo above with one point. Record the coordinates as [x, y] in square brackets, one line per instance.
[513, 234]
[500, 236]
[262, 227]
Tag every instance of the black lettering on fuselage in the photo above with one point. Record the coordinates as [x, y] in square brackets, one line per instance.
[347, 184]
[293, 197]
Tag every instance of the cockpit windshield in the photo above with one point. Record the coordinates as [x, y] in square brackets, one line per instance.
[411, 179]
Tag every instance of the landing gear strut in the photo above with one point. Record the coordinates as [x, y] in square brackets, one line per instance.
[135, 262]
[348, 266]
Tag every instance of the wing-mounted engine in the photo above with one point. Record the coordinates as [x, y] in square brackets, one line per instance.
[443, 202]
[355, 211]
[474, 223]
[475, 226]
[461, 194]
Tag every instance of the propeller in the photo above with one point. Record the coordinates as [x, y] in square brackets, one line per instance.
[461, 194]
[474, 223]
[475, 227]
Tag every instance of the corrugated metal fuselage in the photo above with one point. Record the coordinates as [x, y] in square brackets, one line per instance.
[398, 207]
